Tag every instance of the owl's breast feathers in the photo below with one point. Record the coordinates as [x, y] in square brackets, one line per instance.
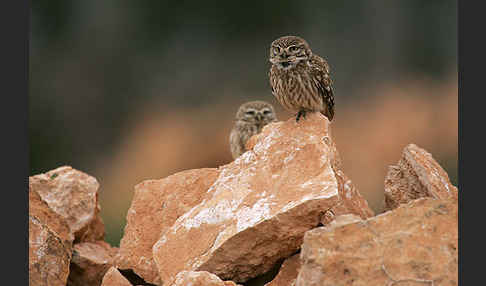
[316, 70]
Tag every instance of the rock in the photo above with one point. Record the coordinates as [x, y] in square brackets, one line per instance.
[416, 175]
[90, 262]
[73, 195]
[200, 278]
[155, 207]
[261, 204]
[114, 278]
[288, 272]
[50, 244]
[348, 205]
[342, 220]
[414, 244]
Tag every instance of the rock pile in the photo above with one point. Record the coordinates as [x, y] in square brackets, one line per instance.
[74, 196]
[156, 205]
[414, 244]
[260, 206]
[285, 201]
[66, 233]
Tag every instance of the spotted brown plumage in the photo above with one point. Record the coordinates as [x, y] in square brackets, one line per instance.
[251, 117]
[300, 80]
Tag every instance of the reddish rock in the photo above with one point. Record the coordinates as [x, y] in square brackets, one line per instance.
[114, 278]
[414, 244]
[73, 195]
[348, 204]
[259, 208]
[288, 272]
[90, 262]
[155, 207]
[50, 244]
[200, 278]
[342, 220]
[416, 175]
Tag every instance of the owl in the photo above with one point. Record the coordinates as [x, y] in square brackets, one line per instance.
[300, 79]
[250, 120]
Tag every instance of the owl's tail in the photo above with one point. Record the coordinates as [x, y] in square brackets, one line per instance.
[329, 113]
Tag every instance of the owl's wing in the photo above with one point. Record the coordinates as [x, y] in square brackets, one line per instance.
[235, 143]
[270, 77]
[321, 71]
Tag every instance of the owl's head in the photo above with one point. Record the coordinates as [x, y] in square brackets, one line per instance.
[256, 112]
[286, 52]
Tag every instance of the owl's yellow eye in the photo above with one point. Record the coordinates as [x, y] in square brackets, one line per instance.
[276, 50]
[293, 49]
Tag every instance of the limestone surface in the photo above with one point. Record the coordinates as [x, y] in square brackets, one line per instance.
[200, 278]
[113, 277]
[50, 244]
[155, 206]
[414, 244]
[89, 263]
[261, 204]
[74, 196]
[416, 175]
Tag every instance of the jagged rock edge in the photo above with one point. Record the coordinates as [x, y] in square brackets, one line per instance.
[252, 230]
[52, 233]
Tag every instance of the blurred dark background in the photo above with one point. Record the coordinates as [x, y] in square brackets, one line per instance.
[133, 90]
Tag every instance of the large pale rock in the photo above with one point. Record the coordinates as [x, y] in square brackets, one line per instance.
[50, 244]
[200, 278]
[90, 262]
[416, 175]
[261, 204]
[288, 272]
[114, 278]
[155, 207]
[73, 195]
[414, 244]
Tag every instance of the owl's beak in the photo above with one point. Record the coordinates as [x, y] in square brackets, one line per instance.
[259, 116]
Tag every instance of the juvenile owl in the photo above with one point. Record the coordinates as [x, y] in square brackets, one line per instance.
[300, 79]
[250, 119]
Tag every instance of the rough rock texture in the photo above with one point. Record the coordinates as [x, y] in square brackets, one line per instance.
[200, 278]
[288, 272]
[348, 205]
[89, 263]
[415, 244]
[50, 244]
[73, 195]
[416, 175]
[342, 220]
[114, 278]
[155, 207]
[260, 206]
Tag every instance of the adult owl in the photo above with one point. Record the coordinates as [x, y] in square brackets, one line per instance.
[251, 117]
[299, 78]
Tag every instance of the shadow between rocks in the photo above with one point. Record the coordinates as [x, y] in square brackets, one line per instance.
[134, 278]
[269, 275]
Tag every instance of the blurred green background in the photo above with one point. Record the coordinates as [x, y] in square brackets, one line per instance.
[133, 90]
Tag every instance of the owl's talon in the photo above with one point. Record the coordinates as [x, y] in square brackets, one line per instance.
[301, 113]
